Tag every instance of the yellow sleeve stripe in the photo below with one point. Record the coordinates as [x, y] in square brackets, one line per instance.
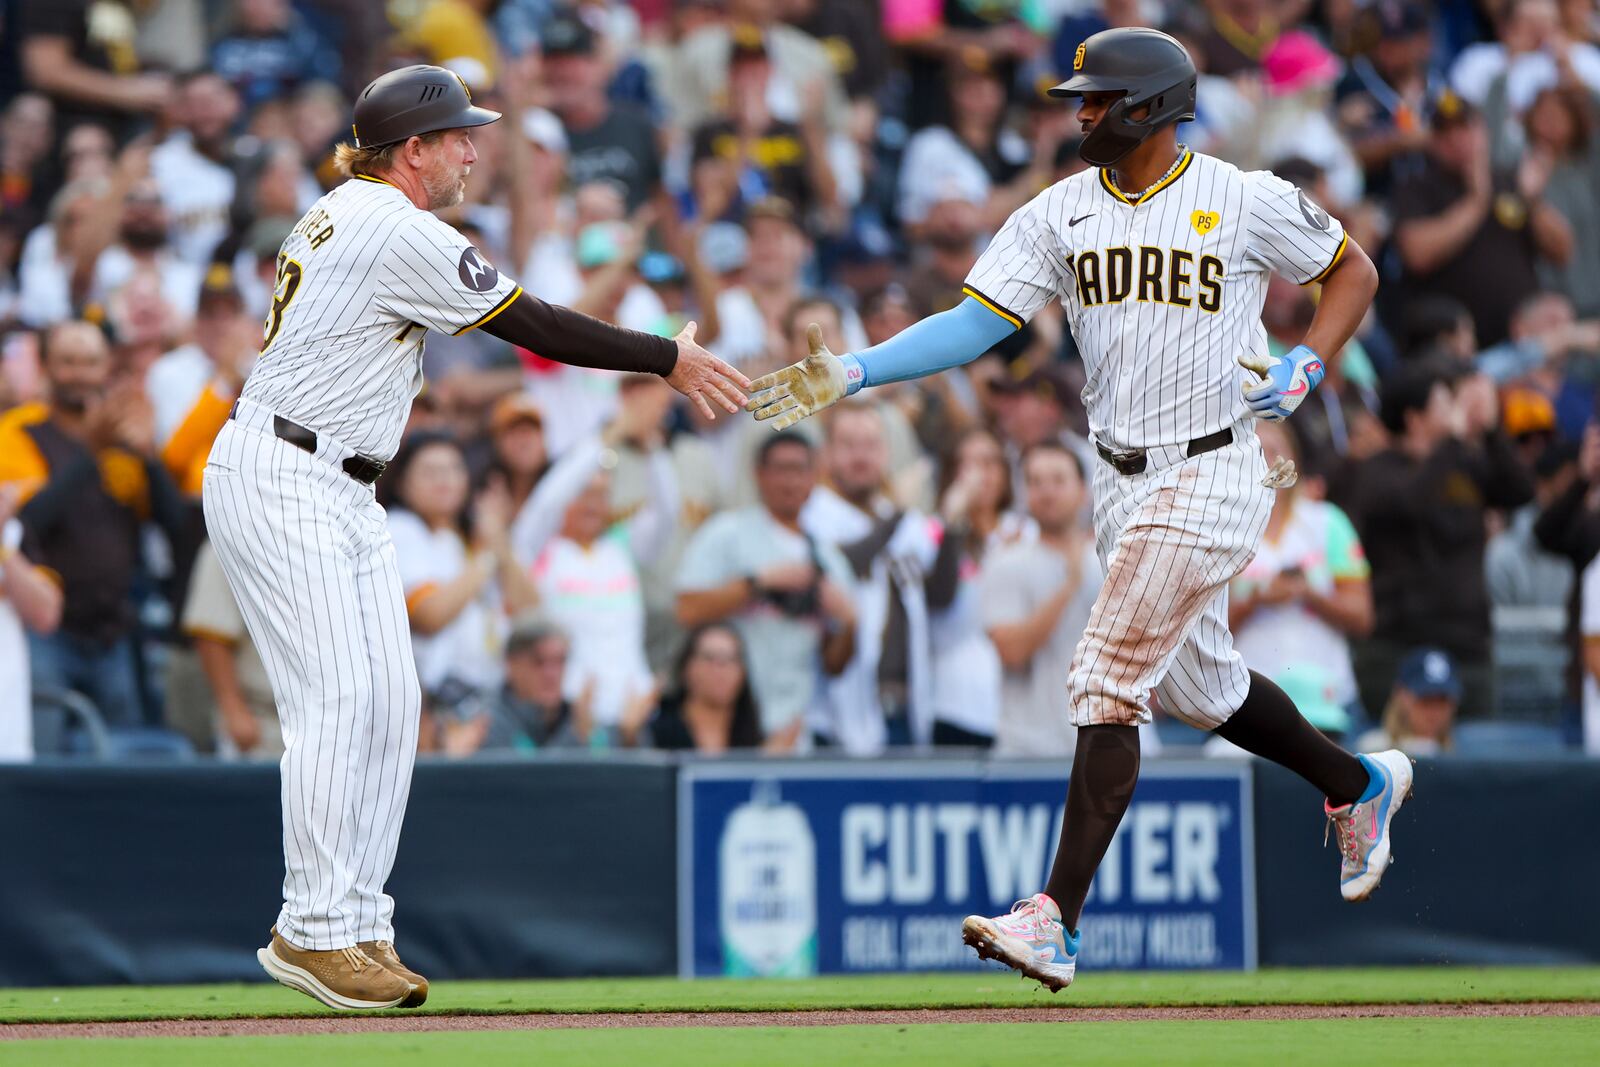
[1338, 254]
[491, 313]
[1015, 320]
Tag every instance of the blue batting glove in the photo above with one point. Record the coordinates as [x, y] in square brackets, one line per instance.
[1282, 382]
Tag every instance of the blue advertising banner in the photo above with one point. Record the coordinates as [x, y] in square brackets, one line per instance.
[823, 868]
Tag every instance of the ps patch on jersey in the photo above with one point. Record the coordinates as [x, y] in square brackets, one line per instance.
[477, 273]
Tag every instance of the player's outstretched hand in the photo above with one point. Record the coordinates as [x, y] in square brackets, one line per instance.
[801, 389]
[704, 378]
[1282, 382]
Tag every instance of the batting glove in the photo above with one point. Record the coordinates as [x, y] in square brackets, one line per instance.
[802, 389]
[1282, 382]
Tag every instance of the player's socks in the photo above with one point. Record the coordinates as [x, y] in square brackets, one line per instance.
[1268, 725]
[1105, 769]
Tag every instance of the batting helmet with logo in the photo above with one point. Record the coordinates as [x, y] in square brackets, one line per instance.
[413, 101]
[1147, 67]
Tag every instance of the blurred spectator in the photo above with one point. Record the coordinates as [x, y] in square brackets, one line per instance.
[1465, 230]
[1384, 98]
[1547, 351]
[530, 710]
[1569, 526]
[975, 505]
[1295, 608]
[1520, 572]
[605, 140]
[1562, 135]
[447, 31]
[976, 156]
[1238, 33]
[140, 225]
[1533, 52]
[81, 54]
[1421, 710]
[749, 154]
[1004, 34]
[50, 254]
[1036, 600]
[1420, 506]
[193, 166]
[1033, 409]
[1296, 121]
[270, 50]
[698, 83]
[786, 593]
[711, 706]
[904, 569]
[699, 497]
[89, 476]
[1589, 632]
[27, 135]
[461, 581]
[585, 562]
[245, 717]
[31, 602]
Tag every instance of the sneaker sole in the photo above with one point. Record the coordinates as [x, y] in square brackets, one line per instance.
[1382, 857]
[990, 945]
[304, 981]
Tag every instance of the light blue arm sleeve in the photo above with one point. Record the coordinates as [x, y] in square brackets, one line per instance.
[939, 342]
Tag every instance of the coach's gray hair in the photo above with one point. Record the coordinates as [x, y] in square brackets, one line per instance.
[350, 160]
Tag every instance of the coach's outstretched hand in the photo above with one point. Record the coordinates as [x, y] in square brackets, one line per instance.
[801, 389]
[704, 378]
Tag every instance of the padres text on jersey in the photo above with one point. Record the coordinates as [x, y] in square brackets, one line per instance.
[1161, 293]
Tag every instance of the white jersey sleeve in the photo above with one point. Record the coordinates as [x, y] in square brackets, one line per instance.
[1021, 270]
[434, 277]
[1288, 233]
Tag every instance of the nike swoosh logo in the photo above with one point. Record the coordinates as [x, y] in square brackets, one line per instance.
[1079, 219]
[1295, 392]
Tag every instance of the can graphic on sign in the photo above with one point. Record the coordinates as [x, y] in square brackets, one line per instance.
[768, 888]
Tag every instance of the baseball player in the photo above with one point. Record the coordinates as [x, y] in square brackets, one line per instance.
[1160, 257]
[362, 280]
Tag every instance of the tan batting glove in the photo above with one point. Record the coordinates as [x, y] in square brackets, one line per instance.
[801, 389]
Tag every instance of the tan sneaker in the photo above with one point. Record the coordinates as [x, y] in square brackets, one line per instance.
[384, 953]
[343, 978]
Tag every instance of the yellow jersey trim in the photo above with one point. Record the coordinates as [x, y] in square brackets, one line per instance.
[1144, 198]
[1338, 254]
[491, 313]
[1014, 320]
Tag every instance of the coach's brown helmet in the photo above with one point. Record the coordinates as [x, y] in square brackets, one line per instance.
[413, 101]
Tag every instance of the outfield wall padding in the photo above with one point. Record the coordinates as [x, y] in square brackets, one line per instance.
[172, 874]
[566, 866]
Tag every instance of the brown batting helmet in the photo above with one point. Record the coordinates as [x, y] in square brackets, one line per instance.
[413, 101]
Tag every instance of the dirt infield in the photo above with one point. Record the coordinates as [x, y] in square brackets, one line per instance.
[343, 1024]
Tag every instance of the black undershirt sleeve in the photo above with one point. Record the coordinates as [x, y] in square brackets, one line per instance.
[571, 337]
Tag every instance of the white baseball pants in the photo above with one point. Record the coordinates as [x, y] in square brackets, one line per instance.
[307, 553]
[1170, 539]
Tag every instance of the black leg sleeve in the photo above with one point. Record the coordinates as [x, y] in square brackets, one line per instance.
[1268, 725]
[1105, 769]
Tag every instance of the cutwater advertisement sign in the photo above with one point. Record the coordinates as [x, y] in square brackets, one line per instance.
[807, 868]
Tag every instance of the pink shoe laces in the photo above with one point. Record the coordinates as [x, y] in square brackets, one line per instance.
[1343, 821]
[1028, 919]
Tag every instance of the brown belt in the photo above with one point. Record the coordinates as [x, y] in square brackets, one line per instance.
[1134, 461]
[363, 469]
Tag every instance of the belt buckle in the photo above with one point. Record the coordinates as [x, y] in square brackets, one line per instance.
[1128, 463]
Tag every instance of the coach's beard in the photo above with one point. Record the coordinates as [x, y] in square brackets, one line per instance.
[444, 188]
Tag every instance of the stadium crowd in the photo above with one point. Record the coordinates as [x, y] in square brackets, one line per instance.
[589, 564]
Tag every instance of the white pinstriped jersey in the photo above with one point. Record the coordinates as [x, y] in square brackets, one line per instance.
[361, 280]
[1162, 293]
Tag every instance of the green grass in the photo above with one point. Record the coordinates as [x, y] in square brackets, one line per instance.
[1414, 1042]
[993, 988]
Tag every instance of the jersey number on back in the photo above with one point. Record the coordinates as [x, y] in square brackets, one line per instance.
[288, 283]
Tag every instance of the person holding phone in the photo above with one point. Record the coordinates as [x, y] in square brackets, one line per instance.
[1307, 593]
